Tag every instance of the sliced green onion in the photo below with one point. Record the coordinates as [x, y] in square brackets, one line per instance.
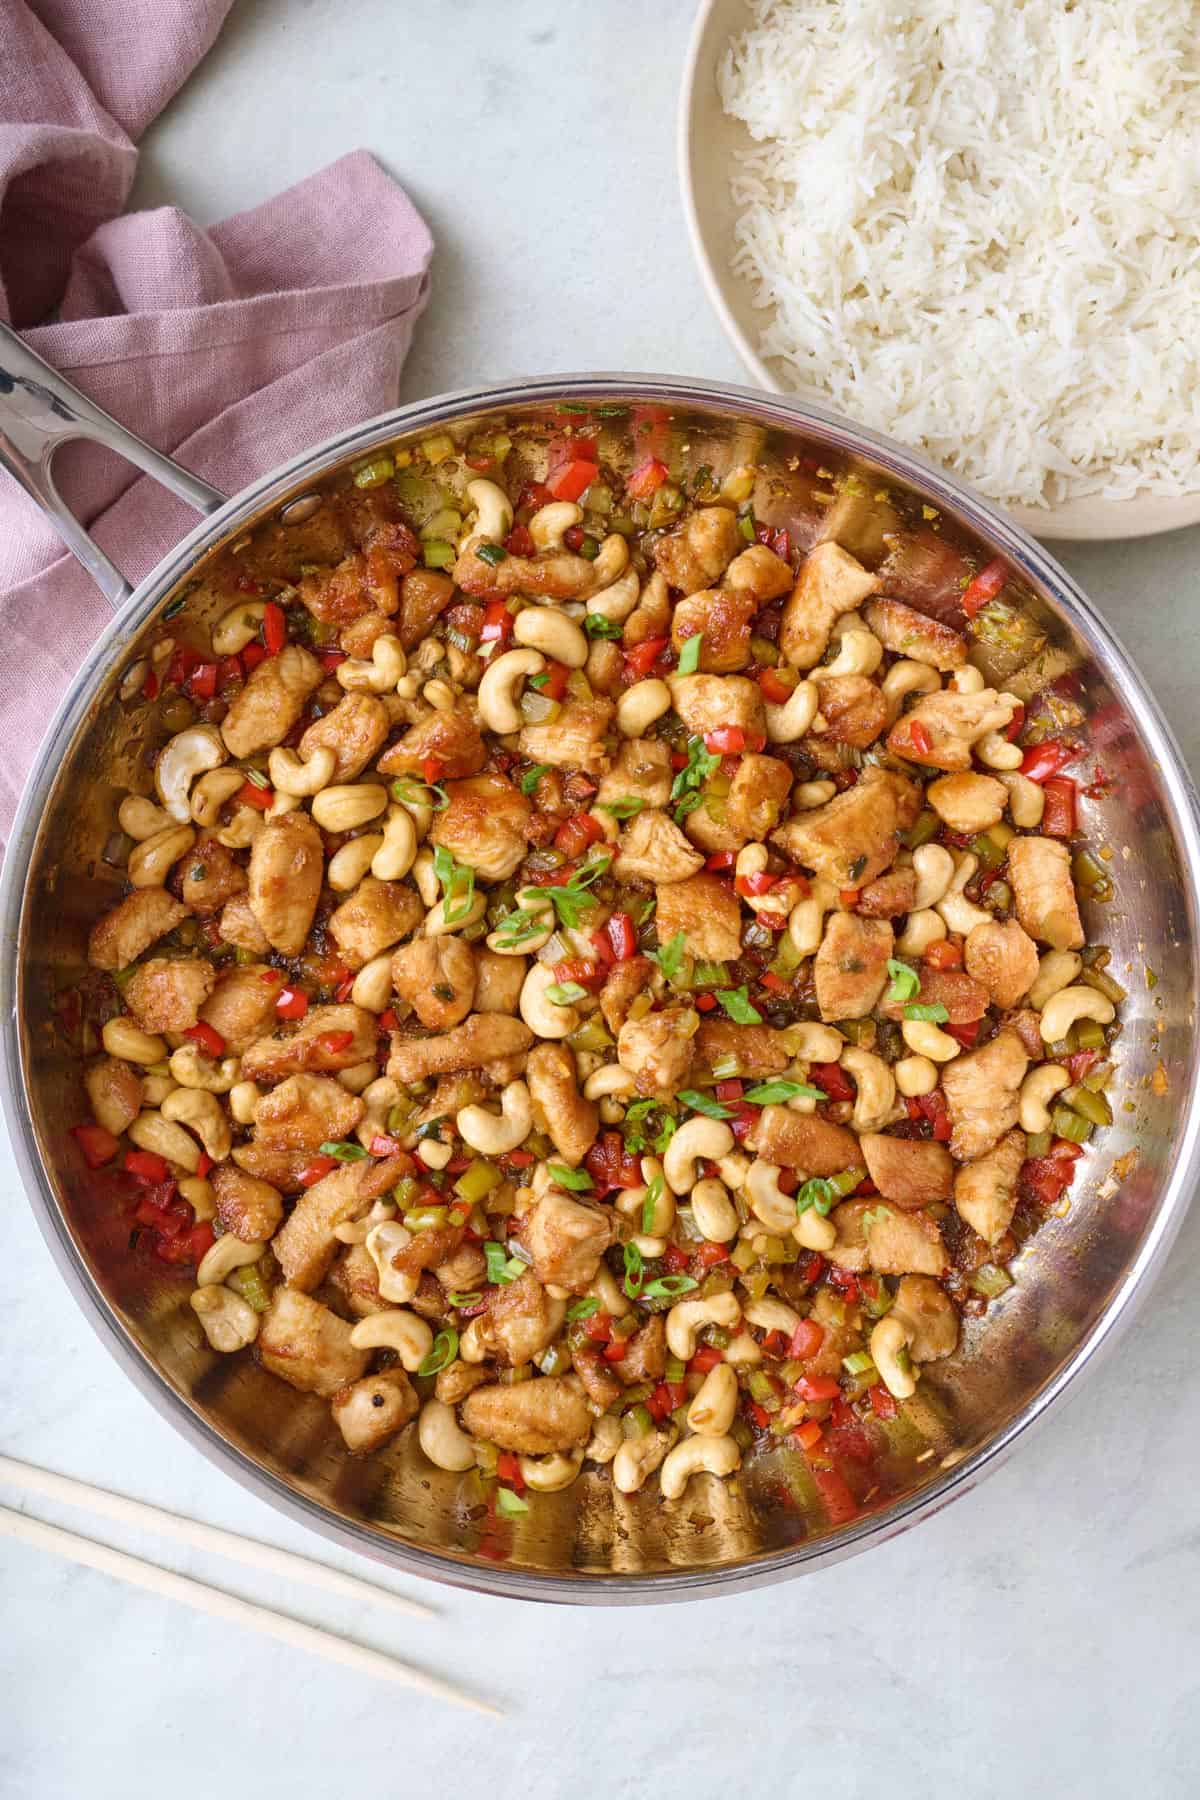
[510, 1505]
[774, 1093]
[458, 1298]
[627, 807]
[411, 792]
[345, 1153]
[443, 1351]
[932, 1015]
[583, 1309]
[817, 1193]
[532, 776]
[689, 655]
[565, 993]
[633, 1271]
[669, 956]
[701, 1103]
[256, 778]
[669, 1287]
[906, 983]
[597, 626]
[491, 553]
[578, 1180]
[501, 1268]
[437, 553]
[859, 1363]
[736, 1002]
[650, 1204]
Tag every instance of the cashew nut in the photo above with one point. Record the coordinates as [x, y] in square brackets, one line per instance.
[409, 1336]
[714, 1212]
[968, 680]
[631, 1202]
[806, 921]
[1056, 971]
[181, 759]
[733, 1170]
[743, 1351]
[199, 1195]
[543, 1018]
[381, 674]
[192, 1069]
[211, 792]
[123, 1039]
[1039, 1086]
[687, 1316]
[357, 1077]
[548, 1474]
[960, 913]
[545, 629]
[433, 1153]
[699, 1138]
[155, 1089]
[776, 1210]
[235, 628]
[472, 1347]
[605, 1288]
[915, 1075]
[814, 1231]
[606, 1439]
[711, 1412]
[244, 1096]
[790, 721]
[995, 752]
[357, 1231]
[300, 779]
[444, 1443]
[860, 653]
[1070, 1004]
[924, 928]
[150, 1131]
[905, 678]
[139, 818]
[203, 1113]
[926, 1039]
[934, 868]
[493, 510]
[493, 1136]
[611, 561]
[384, 1242]
[529, 900]
[348, 865]
[769, 1314]
[608, 1080]
[151, 862]
[550, 522]
[438, 923]
[640, 705]
[876, 1088]
[809, 794]
[398, 851]
[230, 1323]
[372, 988]
[1026, 800]
[223, 1257]
[637, 1458]
[889, 1353]
[348, 805]
[617, 601]
[498, 709]
[714, 1455]
[810, 1042]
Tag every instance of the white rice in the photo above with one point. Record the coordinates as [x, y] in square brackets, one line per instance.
[977, 225]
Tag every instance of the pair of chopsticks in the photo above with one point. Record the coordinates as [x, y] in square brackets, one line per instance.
[215, 1601]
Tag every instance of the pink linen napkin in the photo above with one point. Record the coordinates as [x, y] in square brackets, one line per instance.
[230, 349]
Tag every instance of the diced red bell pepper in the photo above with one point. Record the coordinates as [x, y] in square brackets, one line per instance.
[508, 1468]
[1082, 1063]
[985, 586]
[331, 659]
[579, 969]
[726, 740]
[274, 628]
[775, 689]
[519, 1159]
[250, 794]
[818, 1387]
[729, 1090]
[658, 1404]
[883, 1404]
[919, 737]
[832, 1081]
[183, 660]
[202, 682]
[1059, 813]
[344, 989]
[332, 1043]
[383, 1145]
[845, 1283]
[519, 542]
[709, 1255]
[812, 1267]
[599, 1327]
[575, 471]
[230, 673]
[774, 984]
[573, 837]
[316, 1170]
[252, 655]
[292, 1003]
[497, 620]
[617, 1350]
[556, 681]
[146, 1165]
[675, 1259]
[759, 1414]
[388, 1021]
[610, 1165]
[603, 949]
[839, 1502]
[750, 886]
[704, 1002]
[963, 1034]
[206, 1038]
[706, 1358]
[806, 1340]
[647, 478]
[942, 954]
[150, 687]
[719, 861]
[432, 768]
[1041, 761]
[622, 936]
[97, 1145]
[1012, 732]
[205, 1164]
[808, 1435]
[641, 659]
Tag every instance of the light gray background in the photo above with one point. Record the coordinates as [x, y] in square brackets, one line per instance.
[1040, 1637]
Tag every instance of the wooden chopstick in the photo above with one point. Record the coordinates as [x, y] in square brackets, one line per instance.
[220, 1605]
[29, 1478]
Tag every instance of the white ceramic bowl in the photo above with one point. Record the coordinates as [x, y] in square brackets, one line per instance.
[708, 142]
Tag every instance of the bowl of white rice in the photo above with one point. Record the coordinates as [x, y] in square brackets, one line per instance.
[974, 226]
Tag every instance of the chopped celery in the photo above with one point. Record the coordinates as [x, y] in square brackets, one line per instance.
[859, 1363]
[1086, 1034]
[1104, 984]
[1069, 1125]
[638, 1422]
[1038, 1144]
[436, 553]
[927, 826]
[1092, 1106]
[374, 472]
[991, 1281]
[248, 1282]
[438, 447]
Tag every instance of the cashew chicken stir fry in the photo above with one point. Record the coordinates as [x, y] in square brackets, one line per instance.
[599, 978]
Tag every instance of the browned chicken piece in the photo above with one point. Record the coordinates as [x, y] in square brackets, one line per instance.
[756, 1050]
[889, 896]
[657, 1049]
[853, 708]
[652, 848]
[985, 1190]
[356, 731]
[604, 667]
[803, 1141]
[242, 1005]
[902, 1243]
[521, 1319]
[708, 913]
[698, 552]
[211, 875]
[251, 1209]
[968, 802]
[964, 999]
[559, 575]
[707, 702]
[599, 1383]
[566, 1238]
[428, 1250]
[758, 571]
[451, 738]
[238, 926]
[559, 1109]
[357, 586]
[850, 968]
[910, 1171]
[424, 596]
[622, 987]
[373, 918]
[1004, 958]
[305, 1244]
[263, 712]
[912, 634]
[437, 978]
[1039, 869]
[481, 1038]
[306, 1344]
[498, 980]
[370, 1411]
[429, 1302]
[1028, 1026]
[359, 636]
[721, 621]
[450, 1094]
[645, 1359]
[849, 1250]
[928, 1312]
[458, 1379]
[831, 582]
[651, 617]
[144, 916]
[574, 740]
[305, 1111]
[267, 1162]
[484, 825]
[355, 1280]
[166, 993]
[981, 1089]
[463, 1270]
[114, 1091]
[287, 867]
[317, 1045]
[950, 723]
[642, 772]
[757, 796]
[855, 836]
[534, 1418]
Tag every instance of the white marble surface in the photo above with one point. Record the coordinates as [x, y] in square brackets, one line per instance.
[1040, 1636]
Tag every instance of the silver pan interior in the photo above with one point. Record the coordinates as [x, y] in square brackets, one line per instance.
[1078, 1278]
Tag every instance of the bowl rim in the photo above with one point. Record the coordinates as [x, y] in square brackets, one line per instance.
[573, 1586]
[1146, 515]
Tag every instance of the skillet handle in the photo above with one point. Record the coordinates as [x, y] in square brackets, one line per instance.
[39, 410]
